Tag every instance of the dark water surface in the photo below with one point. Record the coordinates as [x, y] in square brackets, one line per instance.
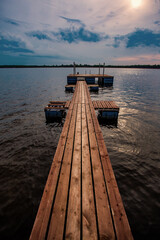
[28, 144]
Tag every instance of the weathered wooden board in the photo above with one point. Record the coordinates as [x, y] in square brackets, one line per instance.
[105, 105]
[81, 199]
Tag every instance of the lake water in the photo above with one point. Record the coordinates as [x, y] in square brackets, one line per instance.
[28, 144]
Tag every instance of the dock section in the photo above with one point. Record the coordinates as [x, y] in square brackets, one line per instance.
[103, 79]
[81, 199]
[108, 110]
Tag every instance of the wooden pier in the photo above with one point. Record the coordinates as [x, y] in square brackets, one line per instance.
[81, 199]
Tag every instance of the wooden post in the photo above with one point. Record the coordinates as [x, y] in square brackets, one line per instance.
[103, 68]
[99, 68]
[74, 68]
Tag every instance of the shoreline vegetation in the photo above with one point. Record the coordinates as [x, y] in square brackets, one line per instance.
[82, 66]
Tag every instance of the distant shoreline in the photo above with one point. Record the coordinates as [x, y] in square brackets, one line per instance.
[81, 66]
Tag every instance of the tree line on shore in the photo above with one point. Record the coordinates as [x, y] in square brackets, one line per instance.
[155, 66]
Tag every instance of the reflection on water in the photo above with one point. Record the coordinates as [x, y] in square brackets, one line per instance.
[28, 144]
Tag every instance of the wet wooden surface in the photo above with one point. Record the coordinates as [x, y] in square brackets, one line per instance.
[81, 199]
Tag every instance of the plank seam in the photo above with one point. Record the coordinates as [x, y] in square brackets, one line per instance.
[104, 177]
[92, 108]
[49, 221]
[81, 225]
[65, 221]
[92, 177]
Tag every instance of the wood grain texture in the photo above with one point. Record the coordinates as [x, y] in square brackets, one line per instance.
[73, 225]
[88, 205]
[121, 223]
[105, 224]
[81, 199]
[56, 228]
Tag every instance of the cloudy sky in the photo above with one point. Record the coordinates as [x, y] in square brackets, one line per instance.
[85, 31]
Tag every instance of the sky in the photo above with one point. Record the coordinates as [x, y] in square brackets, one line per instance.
[47, 32]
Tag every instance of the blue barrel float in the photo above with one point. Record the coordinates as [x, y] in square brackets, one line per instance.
[90, 80]
[71, 80]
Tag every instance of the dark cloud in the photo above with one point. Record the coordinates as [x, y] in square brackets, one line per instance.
[157, 22]
[143, 37]
[11, 45]
[12, 22]
[140, 37]
[72, 20]
[39, 35]
[9, 21]
[117, 41]
[45, 56]
[71, 35]
[76, 34]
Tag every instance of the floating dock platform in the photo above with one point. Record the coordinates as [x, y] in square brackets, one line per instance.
[107, 110]
[103, 79]
[92, 87]
[81, 199]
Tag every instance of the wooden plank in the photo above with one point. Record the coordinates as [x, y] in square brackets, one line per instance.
[41, 222]
[114, 105]
[121, 223]
[77, 98]
[73, 224]
[67, 104]
[57, 102]
[88, 207]
[105, 224]
[94, 104]
[83, 98]
[109, 105]
[92, 85]
[120, 219]
[71, 85]
[97, 103]
[100, 104]
[56, 228]
[54, 107]
[104, 104]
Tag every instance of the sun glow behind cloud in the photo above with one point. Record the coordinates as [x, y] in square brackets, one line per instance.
[136, 3]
